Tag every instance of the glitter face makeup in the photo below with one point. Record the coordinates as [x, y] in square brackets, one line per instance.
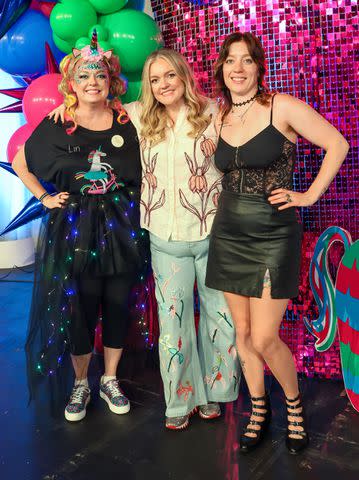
[87, 69]
[91, 82]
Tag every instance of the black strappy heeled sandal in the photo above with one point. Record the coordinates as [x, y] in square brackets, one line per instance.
[247, 443]
[296, 445]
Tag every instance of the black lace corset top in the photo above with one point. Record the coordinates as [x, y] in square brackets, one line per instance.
[260, 165]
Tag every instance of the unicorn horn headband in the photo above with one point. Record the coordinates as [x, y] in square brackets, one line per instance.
[93, 52]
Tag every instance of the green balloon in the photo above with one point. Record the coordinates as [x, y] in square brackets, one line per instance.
[108, 6]
[133, 91]
[82, 42]
[133, 36]
[63, 45]
[105, 45]
[102, 33]
[72, 19]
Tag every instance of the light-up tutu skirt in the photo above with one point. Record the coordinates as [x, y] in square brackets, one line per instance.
[94, 234]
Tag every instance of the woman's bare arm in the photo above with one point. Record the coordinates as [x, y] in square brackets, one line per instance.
[32, 183]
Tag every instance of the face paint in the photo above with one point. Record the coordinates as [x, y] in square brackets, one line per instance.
[86, 69]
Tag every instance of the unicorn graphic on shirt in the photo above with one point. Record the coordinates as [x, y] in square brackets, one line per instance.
[101, 175]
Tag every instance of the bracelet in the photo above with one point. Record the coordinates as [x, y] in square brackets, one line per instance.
[44, 195]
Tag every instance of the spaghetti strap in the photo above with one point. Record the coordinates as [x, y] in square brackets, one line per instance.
[271, 108]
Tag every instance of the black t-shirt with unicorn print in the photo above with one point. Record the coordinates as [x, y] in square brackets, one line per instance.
[87, 162]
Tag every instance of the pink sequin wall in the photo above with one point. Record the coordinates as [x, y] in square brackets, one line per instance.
[312, 53]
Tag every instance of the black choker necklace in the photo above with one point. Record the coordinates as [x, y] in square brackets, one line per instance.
[240, 104]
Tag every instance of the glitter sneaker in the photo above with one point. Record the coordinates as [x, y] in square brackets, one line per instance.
[179, 423]
[76, 408]
[114, 396]
[209, 411]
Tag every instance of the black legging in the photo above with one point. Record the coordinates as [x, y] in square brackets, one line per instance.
[111, 294]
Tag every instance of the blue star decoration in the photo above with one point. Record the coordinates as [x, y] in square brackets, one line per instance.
[33, 208]
[31, 211]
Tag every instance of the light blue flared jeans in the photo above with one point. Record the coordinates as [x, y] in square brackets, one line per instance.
[195, 368]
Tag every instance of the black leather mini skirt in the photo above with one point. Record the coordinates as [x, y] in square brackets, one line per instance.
[250, 236]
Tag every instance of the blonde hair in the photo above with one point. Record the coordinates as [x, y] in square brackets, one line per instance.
[153, 116]
[117, 87]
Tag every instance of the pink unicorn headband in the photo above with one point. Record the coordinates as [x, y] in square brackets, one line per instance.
[92, 52]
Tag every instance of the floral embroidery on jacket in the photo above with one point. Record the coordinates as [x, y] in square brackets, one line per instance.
[198, 183]
[149, 177]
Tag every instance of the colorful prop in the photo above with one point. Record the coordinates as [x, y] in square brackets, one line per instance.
[21, 48]
[13, 93]
[41, 97]
[133, 36]
[7, 166]
[338, 306]
[17, 140]
[71, 20]
[31, 211]
[10, 11]
[51, 64]
[18, 93]
[324, 328]
[347, 310]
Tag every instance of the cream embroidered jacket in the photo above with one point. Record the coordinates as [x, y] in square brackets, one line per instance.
[180, 184]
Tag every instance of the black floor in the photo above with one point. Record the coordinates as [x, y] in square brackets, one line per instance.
[35, 446]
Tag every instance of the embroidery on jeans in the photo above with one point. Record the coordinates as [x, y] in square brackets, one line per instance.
[216, 375]
[172, 351]
[224, 316]
[185, 390]
[162, 288]
[176, 297]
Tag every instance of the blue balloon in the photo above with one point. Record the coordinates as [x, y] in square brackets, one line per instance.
[22, 48]
[136, 4]
[10, 11]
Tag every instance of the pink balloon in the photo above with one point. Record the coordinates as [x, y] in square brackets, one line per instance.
[18, 139]
[40, 97]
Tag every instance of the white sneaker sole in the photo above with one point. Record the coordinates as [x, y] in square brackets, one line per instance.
[114, 408]
[76, 417]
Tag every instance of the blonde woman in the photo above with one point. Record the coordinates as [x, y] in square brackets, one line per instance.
[179, 192]
[180, 187]
[86, 256]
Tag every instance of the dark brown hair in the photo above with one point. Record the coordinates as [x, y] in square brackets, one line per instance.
[256, 51]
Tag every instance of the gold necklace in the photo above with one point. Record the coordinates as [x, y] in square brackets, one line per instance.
[241, 116]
